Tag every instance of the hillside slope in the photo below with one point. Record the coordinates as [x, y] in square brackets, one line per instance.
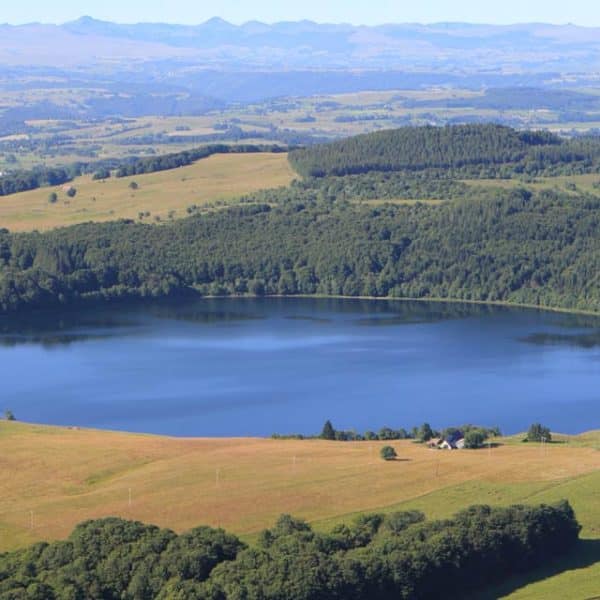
[57, 477]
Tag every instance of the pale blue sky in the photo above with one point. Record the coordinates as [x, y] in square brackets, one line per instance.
[582, 12]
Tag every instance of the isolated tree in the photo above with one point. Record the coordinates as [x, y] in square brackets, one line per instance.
[9, 415]
[474, 439]
[537, 433]
[388, 453]
[52, 198]
[328, 432]
[425, 432]
[71, 192]
[133, 185]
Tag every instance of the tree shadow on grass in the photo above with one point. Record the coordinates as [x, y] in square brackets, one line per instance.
[585, 554]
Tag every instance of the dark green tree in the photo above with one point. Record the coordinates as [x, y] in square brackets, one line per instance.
[538, 433]
[328, 432]
[101, 174]
[474, 439]
[425, 432]
[388, 453]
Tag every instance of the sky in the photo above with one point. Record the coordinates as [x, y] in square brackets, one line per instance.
[367, 12]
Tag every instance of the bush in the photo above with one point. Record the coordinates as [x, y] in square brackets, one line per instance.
[52, 198]
[388, 453]
[71, 192]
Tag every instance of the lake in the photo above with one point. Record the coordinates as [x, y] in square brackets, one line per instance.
[236, 367]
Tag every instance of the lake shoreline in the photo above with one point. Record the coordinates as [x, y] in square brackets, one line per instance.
[572, 311]
[191, 292]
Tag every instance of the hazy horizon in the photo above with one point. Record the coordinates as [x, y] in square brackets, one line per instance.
[376, 12]
[299, 20]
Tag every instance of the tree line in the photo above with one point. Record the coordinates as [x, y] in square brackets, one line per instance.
[21, 180]
[398, 555]
[187, 157]
[423, 433]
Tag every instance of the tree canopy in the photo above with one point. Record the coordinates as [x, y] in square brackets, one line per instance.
[395, 556]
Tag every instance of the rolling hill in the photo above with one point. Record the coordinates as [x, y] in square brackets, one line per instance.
[57, 477]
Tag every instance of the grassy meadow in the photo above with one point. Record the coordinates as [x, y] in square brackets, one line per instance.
[589, 183]
[55, 477]
[219, 178]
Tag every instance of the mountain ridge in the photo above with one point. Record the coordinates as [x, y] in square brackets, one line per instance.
[306, 44]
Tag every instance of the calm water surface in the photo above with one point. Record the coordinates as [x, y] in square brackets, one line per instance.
[254, 367]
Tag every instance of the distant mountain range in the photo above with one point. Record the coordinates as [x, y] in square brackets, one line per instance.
[442, 47]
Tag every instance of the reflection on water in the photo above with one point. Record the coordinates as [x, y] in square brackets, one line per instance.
[258, 366]
[55, 327]
[582, 340]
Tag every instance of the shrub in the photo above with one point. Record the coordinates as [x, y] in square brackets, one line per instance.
[388, 453]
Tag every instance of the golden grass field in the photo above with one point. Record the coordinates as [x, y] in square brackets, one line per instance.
[220, 177]
[53, 478]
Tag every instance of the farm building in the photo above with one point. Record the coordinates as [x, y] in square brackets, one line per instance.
[454, 441]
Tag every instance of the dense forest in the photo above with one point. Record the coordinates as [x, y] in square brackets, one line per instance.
[541, 249]
[399, 555]
[313, 237]
[457, 151]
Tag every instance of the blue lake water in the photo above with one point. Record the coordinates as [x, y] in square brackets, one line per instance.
[258, 366]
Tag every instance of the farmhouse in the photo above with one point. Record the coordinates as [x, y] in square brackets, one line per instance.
[453, 441]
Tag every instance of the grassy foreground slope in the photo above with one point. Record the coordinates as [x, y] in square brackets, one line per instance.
[216, 178]
[57, 477]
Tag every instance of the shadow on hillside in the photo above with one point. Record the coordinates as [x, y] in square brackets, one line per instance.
[584, 554]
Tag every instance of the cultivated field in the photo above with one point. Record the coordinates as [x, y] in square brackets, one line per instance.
[219, 178]
[54, 478]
